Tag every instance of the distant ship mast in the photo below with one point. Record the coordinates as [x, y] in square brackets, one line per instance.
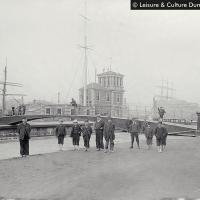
[86, 48]
[5, 83]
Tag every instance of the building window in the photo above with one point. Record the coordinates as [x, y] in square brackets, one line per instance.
[108, 81]
[118, 98]
[108, 97]
[97, 96]
[48, 111]
[59, 111]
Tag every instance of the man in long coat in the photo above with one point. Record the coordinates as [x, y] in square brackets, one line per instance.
[60, 133]
[99, 126]
[109, 135]
[24, 130]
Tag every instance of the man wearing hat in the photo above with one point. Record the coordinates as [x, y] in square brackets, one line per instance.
[99, 126]
[60, 133]
[24, 130]
[75, 134]
[161, 136]
[109, 135]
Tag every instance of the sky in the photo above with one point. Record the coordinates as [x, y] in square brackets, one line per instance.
[41, 39]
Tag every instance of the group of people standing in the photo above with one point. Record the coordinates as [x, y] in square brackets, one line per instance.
[106, 130]
[20, 110]
[159, 131]
[76, 132]
[103, 129]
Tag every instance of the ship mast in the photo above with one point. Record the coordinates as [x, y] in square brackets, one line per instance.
[85, 56]
[85, 47]
[5, 83]
[4, 90]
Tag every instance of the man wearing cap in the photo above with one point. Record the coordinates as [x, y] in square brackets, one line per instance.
[87, 132]
[134, 130]
[24, 130]
[60, 133]
[148, 132]
[75, 134]
[99, 126]
[161, 136]
[109, 135]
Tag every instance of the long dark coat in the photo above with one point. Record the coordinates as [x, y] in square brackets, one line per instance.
[87, 131]
[134, 128]
[109, 131]
[99, 125]
[24, 131]
[76, 131]
[60, 131]
[161, 132]
[75, 134]
[148, 131]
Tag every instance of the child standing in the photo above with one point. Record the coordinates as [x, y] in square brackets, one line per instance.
[75, 134]
[60, 133]
[87, 132]
[161, 136]
[148, 131]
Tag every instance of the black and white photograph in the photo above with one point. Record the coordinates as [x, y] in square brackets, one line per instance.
[99, 100]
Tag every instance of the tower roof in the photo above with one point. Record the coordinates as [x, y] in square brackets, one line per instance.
[110, 73]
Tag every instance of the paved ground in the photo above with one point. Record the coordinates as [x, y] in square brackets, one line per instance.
[123, 175]
[49, 145]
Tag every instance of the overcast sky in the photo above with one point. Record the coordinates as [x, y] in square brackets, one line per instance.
[40, 39]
